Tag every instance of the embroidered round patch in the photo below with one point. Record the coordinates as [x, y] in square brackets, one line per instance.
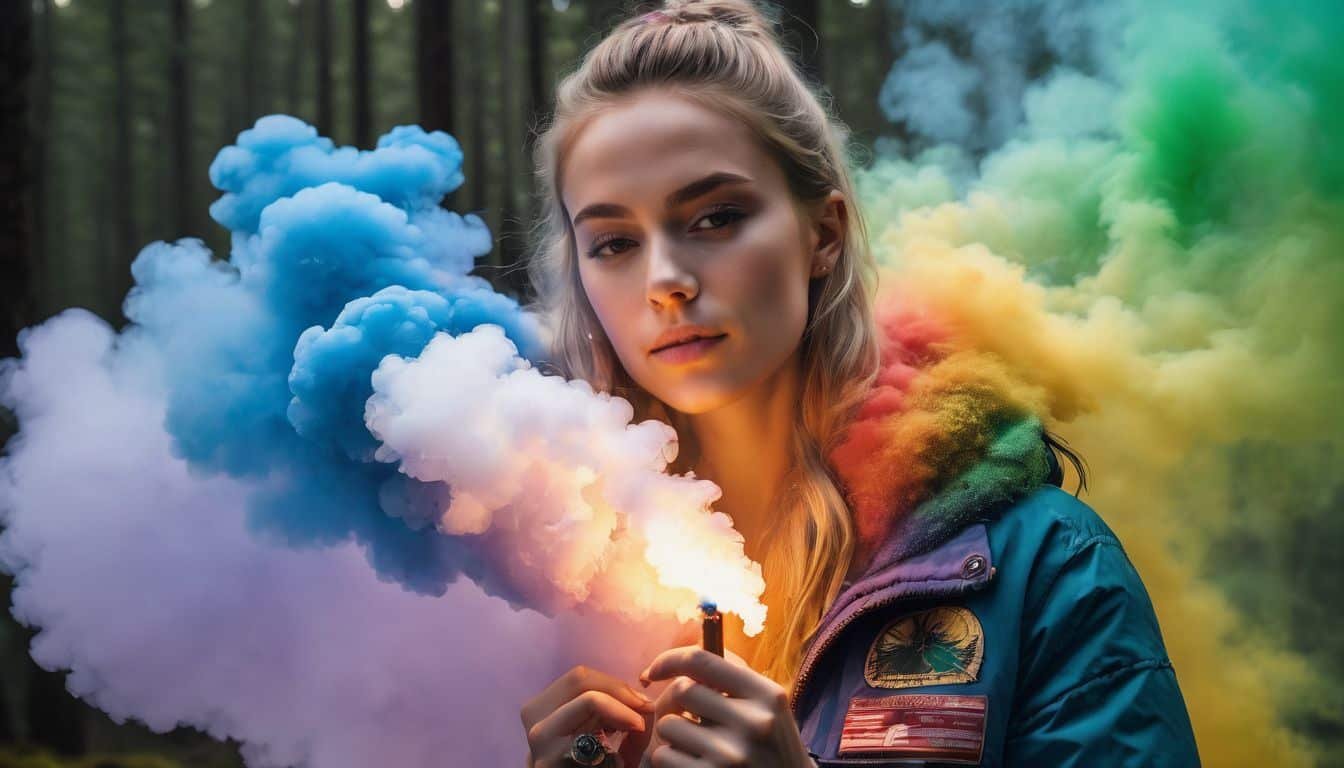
[936, 646]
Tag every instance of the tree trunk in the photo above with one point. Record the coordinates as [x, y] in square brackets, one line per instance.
[14, 639]
[16, 194]
[508, 40]
[363, 110]
[434, 71]
[296, 53]
[117, 270]
[253, 46]
[513, 215]
[539, 98]
[44, 87]
[13, 656]
[538, 63]
[179, 120]
[324, 109]
[801, 22]
[479, 143]
[434, 64]
[55, 718]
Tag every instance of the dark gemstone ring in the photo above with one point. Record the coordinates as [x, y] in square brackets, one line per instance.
[587, 750]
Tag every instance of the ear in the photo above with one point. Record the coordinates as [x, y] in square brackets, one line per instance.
[830, 224]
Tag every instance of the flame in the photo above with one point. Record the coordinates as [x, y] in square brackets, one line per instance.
[707, 559]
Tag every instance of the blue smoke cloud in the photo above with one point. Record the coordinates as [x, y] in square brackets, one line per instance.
[966, 72]
[192, 505]
[340, 258]
[410, 169]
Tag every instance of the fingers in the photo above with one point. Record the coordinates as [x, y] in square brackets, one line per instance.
[668, 756]
[667, 702]
[686, 695]
[714, 744]
[586, 712]
[634, 746]
[714, 671]
[576, 681]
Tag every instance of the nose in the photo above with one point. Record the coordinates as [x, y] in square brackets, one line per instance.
[669, 280]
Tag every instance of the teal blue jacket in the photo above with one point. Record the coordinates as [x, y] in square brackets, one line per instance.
[1025, 639]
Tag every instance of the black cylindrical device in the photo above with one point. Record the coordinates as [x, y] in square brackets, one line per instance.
[711, 628]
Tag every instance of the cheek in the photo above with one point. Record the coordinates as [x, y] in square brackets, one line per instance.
[616, 306]
[769, 294]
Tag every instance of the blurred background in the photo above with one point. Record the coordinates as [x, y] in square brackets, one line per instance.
[112, 111]
[115, 108]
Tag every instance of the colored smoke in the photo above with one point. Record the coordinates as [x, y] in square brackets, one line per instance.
[303, 501]
[316, 497]
[1151, 236]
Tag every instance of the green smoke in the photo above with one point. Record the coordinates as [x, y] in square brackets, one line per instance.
[1159, 242]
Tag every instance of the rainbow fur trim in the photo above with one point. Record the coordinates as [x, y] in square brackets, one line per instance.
[946, 435]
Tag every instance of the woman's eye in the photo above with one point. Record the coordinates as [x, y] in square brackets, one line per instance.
[719, 219]
[725, 215]
[595, 250]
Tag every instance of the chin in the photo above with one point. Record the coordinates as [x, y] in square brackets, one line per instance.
[696, 397]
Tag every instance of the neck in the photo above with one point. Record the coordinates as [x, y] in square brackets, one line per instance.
[746, 448]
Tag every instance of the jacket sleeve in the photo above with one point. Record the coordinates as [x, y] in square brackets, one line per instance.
[1096, 687]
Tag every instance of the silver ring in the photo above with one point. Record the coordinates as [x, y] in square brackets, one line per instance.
[588, 750]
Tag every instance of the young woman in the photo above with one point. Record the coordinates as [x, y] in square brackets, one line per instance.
[702, 256]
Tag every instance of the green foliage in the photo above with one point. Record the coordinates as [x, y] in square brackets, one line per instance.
[35, 758]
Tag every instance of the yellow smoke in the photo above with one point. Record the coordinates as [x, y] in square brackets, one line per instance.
[1148, 376]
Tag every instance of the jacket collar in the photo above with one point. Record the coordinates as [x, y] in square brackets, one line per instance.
[943, 543]
[959, 564]
[1017, 461]
[942, 547]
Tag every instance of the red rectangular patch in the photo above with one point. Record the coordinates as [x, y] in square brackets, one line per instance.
[930, 726]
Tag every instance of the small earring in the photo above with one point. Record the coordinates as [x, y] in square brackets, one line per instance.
[590, 337]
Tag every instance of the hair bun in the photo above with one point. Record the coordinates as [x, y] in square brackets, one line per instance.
[740, 14]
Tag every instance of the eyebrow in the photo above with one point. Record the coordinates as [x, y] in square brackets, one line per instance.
[684, 195]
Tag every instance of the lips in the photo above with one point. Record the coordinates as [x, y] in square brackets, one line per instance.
[688, 340]
[683, 334]
[688, 351]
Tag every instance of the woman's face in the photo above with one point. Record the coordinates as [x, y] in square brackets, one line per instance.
[682, 219]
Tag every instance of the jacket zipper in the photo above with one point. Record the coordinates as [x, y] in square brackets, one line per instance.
[810, 661]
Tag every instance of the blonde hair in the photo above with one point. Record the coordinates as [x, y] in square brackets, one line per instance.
[725, 55]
